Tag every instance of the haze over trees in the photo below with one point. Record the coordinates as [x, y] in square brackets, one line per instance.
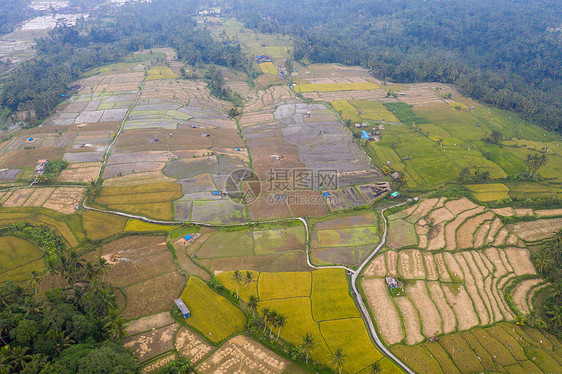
[505, 53]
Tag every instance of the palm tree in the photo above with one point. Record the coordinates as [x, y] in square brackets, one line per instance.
[237, 277]
[115, 326]
[35, 280]
[18, 358]
[90, 271]
[555, 314]
[338, 359]
[249, 279]
[280, 321]
[308, 344]
[265, 312]
[272, 318]
[103, 267]
[52, 268]
[375, 367]
[253, 304]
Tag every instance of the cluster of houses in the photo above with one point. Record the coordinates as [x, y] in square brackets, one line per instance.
[375, 134]
[212, 10]
[263, 58]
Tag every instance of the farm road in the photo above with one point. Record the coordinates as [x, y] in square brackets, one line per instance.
[354, 273]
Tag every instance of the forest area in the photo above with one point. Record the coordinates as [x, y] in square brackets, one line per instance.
[504, 53]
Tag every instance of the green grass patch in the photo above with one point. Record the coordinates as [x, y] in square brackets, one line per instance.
[182, 231]
[211, 314]
[16, 252]
[279, 240]
[404, 113]
[227, 244]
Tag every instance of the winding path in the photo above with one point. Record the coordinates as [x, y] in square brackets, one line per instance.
[354, 273]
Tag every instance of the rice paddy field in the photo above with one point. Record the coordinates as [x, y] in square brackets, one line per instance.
[459, 263]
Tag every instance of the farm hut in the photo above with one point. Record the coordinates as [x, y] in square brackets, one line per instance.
[183, 308]
[396, 176]
[394, 195]
[357, 125]
[364, 125]
[188, 237]
[381, 127]
[377, 132]
[402, 94]
[326, 194]
[365, 135]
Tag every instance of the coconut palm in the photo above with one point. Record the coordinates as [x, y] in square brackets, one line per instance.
[265, 313]
[271, 320]
[18, 358]
[237, 277]
[248, 280]
[90, 271]
[555, 314]
[338, 359]
[103, 267]
[279, 322]
[52, 267]
[35, 280]
[308, 344]
[115, 326]
[253, 304]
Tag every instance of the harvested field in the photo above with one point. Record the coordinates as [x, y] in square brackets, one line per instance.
[465, 232]
[501, 237]
[422, 210]
[520, 261]
[418, 359]
[65, 199]
[462, 306]
[411, 320]
[535, 230]
[430, 267]
[458, 206]
[153, 295]
[451, 228]
[429, 315]
[384, 312]
[444, 275]
[243, 355]
[440, 215]
[377, 267]
[76, 174]
[410, 265]
[191, 345]
[436, 237]
[548, 212]
[391, 258]
[472, 286]
[447, 315]
[481, 234]
[18, 197]
[149, 323]
[520, 291]
[152, 343]
[494, 228]
[329, 87]
[39, 196]
[461, 354]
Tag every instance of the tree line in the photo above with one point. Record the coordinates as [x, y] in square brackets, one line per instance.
[501, 52]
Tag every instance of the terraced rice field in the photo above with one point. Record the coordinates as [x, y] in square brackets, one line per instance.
[456, 290]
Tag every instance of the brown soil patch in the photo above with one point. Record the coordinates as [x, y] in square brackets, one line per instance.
[80, 174]
[410, 265]
[440, 215]
[494, 228]
[465, 232]
[481, 234]
[520, 261]
[430, 319]
[149, 323]
[158, 364]
[192, 345]
[458, 206]
[436, 237]
[501, 237]
[18, 197]
[377, 267]
[462, 307]
[39, 196]
[479, 284]
[423, 209]
[523, 212]
[519, 294]
[453, 266]
[449, 320]
[511, 240]
[506, 212]
[444, 275]
[548, 212]
[472, 288]
[430, 267]
[65, 199]
[152, 343]
[451, 228]
[384, 311]
[506, 263]
[243, 355]
[153, 295]
[411, 320]
[137, 178]
[535, 230]
[391, 258]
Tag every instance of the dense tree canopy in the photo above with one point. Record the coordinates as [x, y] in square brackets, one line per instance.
[503, 52]
[11, 13]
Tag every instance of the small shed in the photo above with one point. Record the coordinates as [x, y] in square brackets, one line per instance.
[394, 195]
[357, 125]
[183, 308]
[396, 175]
[188, 237]
[365, 135]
